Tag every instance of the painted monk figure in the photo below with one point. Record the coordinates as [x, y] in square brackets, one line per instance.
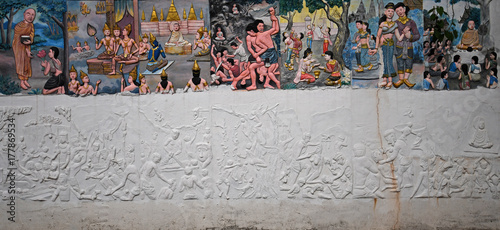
[128, 55]
[470, 38]
[24, 33]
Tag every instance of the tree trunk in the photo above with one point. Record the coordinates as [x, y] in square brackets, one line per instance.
[289, 25]
[485, 16]
[64, 25]
[342, 33]
[339, 43]
[66, 44]
[9, 27]
[50, 28]
[2, 32]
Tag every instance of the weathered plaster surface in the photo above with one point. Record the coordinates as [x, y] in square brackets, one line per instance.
[267, 159]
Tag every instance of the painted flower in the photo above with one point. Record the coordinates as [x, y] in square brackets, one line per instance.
[41, 54]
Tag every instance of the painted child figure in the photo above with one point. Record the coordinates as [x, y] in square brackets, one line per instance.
[143, 88]
[164, 86]
[333, 67]
[197, 84]
[427, 83]
[86, 46]
[492, 79]
[464, 78]
[144, 47]
[73, 84]
[78, 47]
[443, 82]
[86, 88]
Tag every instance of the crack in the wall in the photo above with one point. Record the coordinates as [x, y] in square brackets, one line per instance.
[394, 180]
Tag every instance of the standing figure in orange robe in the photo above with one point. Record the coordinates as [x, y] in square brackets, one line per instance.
[22, 47]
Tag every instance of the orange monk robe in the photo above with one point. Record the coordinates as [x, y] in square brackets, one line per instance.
[23, 61]
[470, 38]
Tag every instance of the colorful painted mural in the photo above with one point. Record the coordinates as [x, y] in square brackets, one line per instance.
[94, 47]
[459, 50]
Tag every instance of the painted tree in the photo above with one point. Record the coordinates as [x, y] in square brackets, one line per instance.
[288, 9]
[8, 9]
[56, 10]
[484, 6]
[339, 19]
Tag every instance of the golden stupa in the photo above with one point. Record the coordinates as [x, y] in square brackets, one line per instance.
[154, 17]
[184, 14]
[192, 14]
[201, 14]
[172, 13]
[161, 15]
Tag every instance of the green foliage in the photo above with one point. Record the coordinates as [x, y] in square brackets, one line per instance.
[4, 46]
[439, 20]
[290, 86]
[7, 86]
[38, 42]
[290, 6]
[35, 92]
[314, 5]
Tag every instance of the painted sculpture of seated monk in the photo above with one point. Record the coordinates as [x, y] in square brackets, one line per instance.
[176, 43]
[176, 37]
[470, 38]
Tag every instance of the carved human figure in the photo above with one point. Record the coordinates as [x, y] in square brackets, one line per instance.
[208, 184]
[148, 170]
[130, 173]
[480, 138]
[365, 174]
[188, 183]
[396, 153]
[482, 171]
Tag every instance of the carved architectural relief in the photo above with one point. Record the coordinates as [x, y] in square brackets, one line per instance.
[255, 151]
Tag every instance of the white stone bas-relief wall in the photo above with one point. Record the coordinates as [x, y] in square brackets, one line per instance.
[326, 159]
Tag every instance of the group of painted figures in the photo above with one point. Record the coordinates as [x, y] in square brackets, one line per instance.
[438, 54]
[394, 37]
